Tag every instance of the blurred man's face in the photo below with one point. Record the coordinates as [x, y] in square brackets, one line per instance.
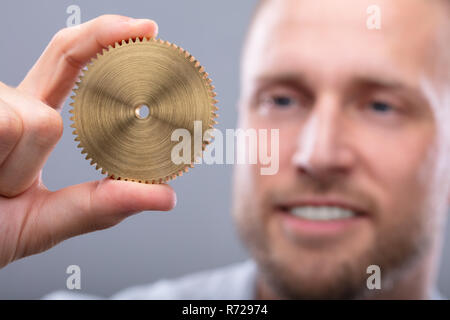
[362, 114]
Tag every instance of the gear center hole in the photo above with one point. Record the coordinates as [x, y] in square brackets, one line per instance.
[142, 111]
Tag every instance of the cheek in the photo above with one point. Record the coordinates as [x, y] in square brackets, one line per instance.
[288, 135]
[401, 167]
[255, 189]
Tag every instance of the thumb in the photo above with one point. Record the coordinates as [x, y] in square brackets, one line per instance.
[98, 205]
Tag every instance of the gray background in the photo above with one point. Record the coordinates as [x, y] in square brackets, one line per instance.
[198, 234]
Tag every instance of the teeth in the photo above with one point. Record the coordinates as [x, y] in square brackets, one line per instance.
[322, 213]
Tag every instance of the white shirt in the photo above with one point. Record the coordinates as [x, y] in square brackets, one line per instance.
[233, 282]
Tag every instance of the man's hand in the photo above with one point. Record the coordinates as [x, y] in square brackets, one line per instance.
[32, 218]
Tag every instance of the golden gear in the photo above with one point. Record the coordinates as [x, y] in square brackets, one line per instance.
[109, 99]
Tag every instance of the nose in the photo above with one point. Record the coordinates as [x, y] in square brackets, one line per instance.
[323, 147]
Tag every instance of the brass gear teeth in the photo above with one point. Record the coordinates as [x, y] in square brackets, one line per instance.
[131, 42]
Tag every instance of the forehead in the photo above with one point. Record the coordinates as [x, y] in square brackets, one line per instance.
[327, 38]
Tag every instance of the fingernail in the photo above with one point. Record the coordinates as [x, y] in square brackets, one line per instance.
[136, 22]
[139, 22]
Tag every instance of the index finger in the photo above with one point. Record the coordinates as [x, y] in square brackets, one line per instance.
[55, 72]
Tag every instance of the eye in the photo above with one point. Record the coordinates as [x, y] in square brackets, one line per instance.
[283, 101]
[381, 107]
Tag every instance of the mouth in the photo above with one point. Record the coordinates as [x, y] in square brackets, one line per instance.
[320, 218]
[322, 213]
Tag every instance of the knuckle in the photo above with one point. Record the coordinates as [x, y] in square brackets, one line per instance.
[106, 18]
[47, 126]
[63, 40]
[10, 126]
[60, 38]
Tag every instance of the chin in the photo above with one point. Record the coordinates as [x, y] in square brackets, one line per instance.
[315, 277]
[300, 269]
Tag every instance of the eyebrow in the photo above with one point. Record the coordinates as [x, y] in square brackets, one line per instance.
[296, 80]
[406, 90]
[300, 80]
[382, 83]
